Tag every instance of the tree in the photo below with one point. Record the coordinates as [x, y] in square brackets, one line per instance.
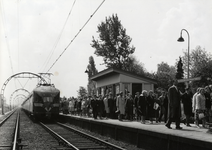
[165, 74]
[82, 91]
[180, 74]
[200, 65]
[135, 66]
[113, 44]
[91, 70]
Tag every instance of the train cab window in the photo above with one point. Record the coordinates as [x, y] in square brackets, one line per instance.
[47, 99]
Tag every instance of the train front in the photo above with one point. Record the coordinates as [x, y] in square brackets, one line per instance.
[46, 100]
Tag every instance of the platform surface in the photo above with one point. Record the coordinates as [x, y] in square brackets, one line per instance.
[192, 132]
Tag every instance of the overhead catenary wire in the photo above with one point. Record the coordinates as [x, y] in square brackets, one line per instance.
[76, 35]
[6, 36]
[5, 32]
[58, 39]
[18, 32]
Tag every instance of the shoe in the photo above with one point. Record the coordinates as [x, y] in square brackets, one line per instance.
[168, 126]
[143, 122]
[179, 128]
[188, 125]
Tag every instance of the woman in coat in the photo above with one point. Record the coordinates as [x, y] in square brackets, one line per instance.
[150, 105]
[142, 106]
[121, 104]
[200, 107]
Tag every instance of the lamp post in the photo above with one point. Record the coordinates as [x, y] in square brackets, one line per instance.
[181, 39]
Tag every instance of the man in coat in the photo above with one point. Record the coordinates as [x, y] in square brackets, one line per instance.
[174, 107]
[187, 105]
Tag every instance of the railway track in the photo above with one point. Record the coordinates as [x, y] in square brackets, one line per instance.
[77, 140]
[9, 132]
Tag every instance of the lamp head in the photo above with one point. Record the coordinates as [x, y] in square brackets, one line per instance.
[181, 39]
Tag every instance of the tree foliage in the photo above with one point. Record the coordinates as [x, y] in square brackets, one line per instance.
[200, 65]
[113, 43]
[82, 91]
[91, 67]
[135, 66]
[91, 70]
[180, 74]
[165, 74]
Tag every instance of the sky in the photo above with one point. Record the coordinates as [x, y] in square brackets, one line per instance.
[32, 31]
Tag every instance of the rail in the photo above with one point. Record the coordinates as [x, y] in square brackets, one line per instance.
[76, 139]
[16, 140]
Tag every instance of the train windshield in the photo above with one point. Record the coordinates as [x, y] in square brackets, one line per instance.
[47, 99]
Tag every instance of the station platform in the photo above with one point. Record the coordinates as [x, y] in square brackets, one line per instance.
[147, 136]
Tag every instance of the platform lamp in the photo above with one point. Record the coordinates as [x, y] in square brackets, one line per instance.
[86, 71]
[181, 39]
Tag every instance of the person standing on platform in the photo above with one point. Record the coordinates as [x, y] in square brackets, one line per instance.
[164, 106]
[101, 106]
[174, 106]
[187, 105]
[142, 106]
[207, 102]
[150, 105]
[79, 107]
[121, 104]
[194, 99]
[135, 101]
[129, 107]
[94, 105]
[106, 106]
[111, 106]
[200, 107]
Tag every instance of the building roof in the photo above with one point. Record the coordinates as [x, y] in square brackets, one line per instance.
[111, 71]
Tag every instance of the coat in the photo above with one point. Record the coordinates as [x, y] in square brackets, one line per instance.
[120, 104]
[150, 105]
[142, 105]
[187, 103]
[174, 105]
[106, 105]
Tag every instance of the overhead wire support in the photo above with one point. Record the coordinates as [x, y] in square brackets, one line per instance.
[77, 34]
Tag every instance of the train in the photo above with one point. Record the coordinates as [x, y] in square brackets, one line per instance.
[43, 102]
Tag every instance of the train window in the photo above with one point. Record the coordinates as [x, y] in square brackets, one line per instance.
[47, 99]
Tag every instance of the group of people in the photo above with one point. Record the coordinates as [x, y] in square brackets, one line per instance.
[123, 106]
[169, 106]
[196, 105]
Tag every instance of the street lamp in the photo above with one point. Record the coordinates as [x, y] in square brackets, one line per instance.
[181, 39]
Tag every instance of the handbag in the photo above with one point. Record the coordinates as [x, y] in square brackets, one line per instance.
[201, 115]
[156, 106]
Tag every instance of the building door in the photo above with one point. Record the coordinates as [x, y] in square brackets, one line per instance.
[136, 87]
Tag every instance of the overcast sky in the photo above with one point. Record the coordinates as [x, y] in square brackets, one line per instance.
[33, 30]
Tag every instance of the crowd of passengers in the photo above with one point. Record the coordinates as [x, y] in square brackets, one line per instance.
[144, 107]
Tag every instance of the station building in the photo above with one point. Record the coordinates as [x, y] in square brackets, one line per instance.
[116, 80]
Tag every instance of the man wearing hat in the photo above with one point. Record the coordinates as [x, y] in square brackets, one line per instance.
[174, 107]
[187, 105]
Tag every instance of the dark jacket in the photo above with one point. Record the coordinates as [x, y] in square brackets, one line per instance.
[174, 107]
